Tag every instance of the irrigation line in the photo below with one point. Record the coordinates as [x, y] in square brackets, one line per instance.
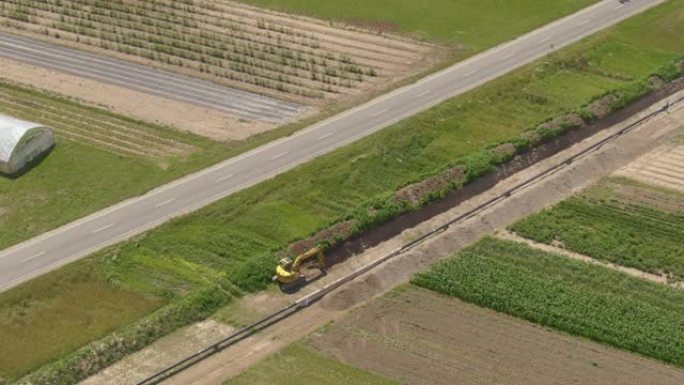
[309, 299]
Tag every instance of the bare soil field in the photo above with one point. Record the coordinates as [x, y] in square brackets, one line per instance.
[662, 167]
[418, 337]
[206, 122]
[294, 58]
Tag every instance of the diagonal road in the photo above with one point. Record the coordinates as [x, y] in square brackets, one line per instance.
[79, 238]
[149, 80]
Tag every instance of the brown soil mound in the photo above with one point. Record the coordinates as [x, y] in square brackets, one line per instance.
[415, 194]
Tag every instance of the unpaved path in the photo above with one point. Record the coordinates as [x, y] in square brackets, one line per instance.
[404, 336]
[551, 190]
[162, 353]
[504, 234]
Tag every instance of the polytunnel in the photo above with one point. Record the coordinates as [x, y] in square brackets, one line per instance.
[21, 142]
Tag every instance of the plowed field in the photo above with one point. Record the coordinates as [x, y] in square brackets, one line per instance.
[418, 337]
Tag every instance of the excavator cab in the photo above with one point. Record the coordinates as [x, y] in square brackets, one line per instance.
[290, 270]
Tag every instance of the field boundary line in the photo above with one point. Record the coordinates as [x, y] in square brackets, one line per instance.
[662, 279]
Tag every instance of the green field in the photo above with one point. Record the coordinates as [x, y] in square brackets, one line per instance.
[605, 224]
[581, 299]
[234, 239]
[100, 159]
[80, 307]
[298, 364]
[474, 25]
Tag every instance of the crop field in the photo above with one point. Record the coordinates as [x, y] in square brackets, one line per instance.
[620, 221]
[100, 159]
[233, 240]
[403, 336]
[298, 364]
[660, 168]
[227, 42]
[472, 25]
[575, 297]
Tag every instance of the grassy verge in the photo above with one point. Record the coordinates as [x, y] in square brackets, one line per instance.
[607, 222]
[100, 309]
[298, 364]
[575, 297]
[235, 238]
[473, 25]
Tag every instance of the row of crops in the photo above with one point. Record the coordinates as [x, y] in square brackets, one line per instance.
[582, 299]
[71, 121]
[613, 229]
[224, 41]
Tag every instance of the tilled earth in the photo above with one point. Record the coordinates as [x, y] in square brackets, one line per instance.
[416, 336]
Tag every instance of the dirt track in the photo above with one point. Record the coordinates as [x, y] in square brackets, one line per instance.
[405, 336]
[573, 178]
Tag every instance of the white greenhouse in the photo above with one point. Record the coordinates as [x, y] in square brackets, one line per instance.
[21, 142]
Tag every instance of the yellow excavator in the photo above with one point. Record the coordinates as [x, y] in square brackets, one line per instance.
[289, 270]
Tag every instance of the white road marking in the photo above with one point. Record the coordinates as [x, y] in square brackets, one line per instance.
[324, 136]
[221, 179]
[471, 72]
[379, 113]
[619, 6]
[584, 22]
[165, 202]
[102, 228]
[544, 40]
[279, 155]
[33, 257]
[510, 55]
[423, 93]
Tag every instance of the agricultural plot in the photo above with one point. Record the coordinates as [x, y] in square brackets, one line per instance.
[471, 25]
[100, 159]
[298, 364]
[619, 221]
[403, 336]
[661, 168]
[581, 299]
[233, 241]
[227, 42]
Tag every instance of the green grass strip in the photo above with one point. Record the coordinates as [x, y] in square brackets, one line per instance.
[625, 233]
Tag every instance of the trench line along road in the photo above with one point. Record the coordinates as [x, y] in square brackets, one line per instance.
[133, 216]
[148, 80]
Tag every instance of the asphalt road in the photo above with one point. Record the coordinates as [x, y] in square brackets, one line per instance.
[148, 80]
[78, 239]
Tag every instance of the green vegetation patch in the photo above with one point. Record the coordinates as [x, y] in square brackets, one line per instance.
[298, 364]
[473, 24]
[617, 222]
[233, 241]
[101, 158]
[582, 299]
[56, 314]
